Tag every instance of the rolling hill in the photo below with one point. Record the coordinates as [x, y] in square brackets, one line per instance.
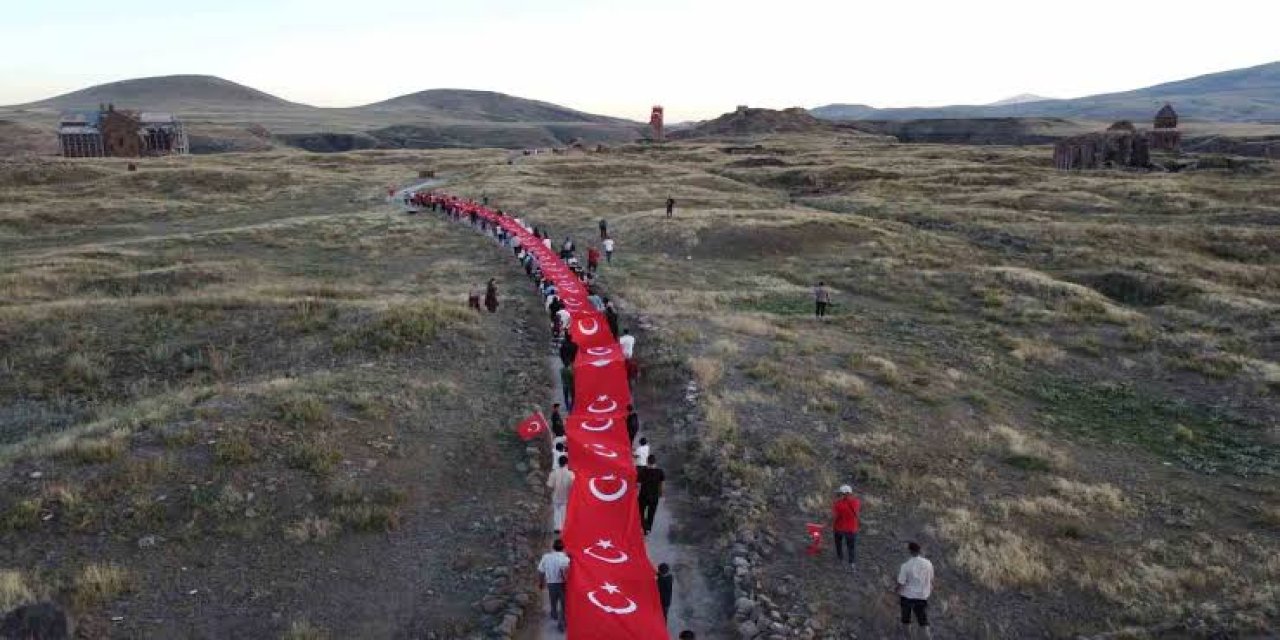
[219, 111]
[1240, 95]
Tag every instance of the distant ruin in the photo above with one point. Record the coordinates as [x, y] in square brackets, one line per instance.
[656, 123]
[112, 133]
[1165, 135]
[1121, 146]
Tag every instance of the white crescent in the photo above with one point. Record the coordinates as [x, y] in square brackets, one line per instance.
[608, 497]
[602, 451]
[601, 363]
[600, 351]
[569, 302]
[608, 424]
[613, 405]
[595, 327]
[620, 558]
[621, 611]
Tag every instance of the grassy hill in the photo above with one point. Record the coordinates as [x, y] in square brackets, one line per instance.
[220, 111]
[1240, 95]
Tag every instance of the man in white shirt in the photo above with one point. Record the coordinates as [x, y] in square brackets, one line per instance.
[608, 250]
[628, 343]
[642, 452]
[915, 584]
[553, 570]
[560, 480]
[546, 242]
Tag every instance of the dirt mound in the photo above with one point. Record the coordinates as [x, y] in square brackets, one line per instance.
[753, 163]
[746, 121]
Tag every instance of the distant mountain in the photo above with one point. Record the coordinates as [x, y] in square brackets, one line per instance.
[485, 106]
[747, 121]
[219, 111]
[1241, 95]
[1018, 99]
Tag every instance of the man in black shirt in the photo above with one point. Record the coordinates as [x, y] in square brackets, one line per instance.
[650, 479]
[557, 421]
[633, 423]
[665, 580]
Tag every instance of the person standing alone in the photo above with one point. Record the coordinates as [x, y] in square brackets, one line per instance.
[671, 207]
[554, 569]
[844, 524]
[604, 229]
[821, 300]
[491, 296]
[915, 584]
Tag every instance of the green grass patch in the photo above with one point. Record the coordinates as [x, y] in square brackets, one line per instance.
[1201, 437]
[800, 304]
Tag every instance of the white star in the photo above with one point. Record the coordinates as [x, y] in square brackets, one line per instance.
[608, 588]
[604, 544]
[603, 397]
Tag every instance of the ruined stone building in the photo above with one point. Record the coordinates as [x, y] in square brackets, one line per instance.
[1165, 136]
[1115, 149]
[111, 133]
[1121, 146]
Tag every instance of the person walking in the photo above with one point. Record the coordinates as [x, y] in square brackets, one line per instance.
[628, 343]
[560, 481]
[568, 350]
[566, 385]
[844, 524]
[473, 298]
[553, 570]
[915, 584]
[650, 478]
[608, 250]
[491, 296]
[557, 421]
[604, 229]
[665, 583]
[821, 300]
[633, 423]
[671, 207]
[593, 259]
[641, 454]
[611, 316]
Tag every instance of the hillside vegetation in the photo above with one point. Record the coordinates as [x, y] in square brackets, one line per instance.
[1063, 384]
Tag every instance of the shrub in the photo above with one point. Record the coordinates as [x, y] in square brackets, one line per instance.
[234, 449]
[14, 590]
[316, 455]
[95, 450]
[97, 584]
[303, 410]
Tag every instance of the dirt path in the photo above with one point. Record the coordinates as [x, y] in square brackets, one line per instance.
[694, 605]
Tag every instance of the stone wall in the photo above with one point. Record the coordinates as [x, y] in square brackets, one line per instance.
[1110, 150]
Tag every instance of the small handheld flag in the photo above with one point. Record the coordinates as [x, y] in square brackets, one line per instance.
[532, 427]
[815, 539]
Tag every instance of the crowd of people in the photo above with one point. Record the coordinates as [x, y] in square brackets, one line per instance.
[554, 565]
[914, 582]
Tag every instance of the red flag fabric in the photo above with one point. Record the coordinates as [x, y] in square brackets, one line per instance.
[532, 427]
[612, 593]
[815, 539]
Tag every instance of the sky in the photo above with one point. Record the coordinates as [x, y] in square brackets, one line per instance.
[698, 58]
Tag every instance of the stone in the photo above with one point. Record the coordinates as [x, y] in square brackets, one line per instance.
[744, 605]
[492, 605]
[748, 630]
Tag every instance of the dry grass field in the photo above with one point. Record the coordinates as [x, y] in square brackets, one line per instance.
[241, 397]
[1064, 385]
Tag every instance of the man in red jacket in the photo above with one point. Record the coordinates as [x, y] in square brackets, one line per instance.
[844, 523]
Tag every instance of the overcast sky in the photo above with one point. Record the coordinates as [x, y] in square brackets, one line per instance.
[699, 58]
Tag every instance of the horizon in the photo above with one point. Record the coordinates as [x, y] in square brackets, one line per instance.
[550, 53]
